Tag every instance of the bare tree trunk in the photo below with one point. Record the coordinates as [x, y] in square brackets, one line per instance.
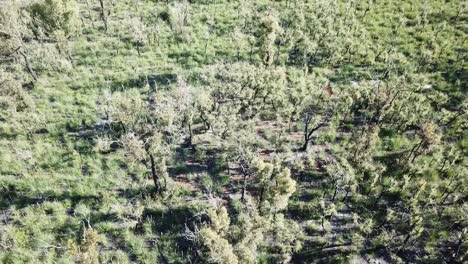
[205, 122]
[346, 194]
[244, 183]
[28, 65]
[322, 224]
[334, 193]
[414, 151]
[154, 174]
[103, 14]
[459, 245]
[378, 199]
[190, 134]
[262, 191]
[308, 134]
[304, 146]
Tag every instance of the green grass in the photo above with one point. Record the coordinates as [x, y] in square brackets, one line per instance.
[54, 186]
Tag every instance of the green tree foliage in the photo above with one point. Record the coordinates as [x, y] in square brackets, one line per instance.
[138, 33]
[323, 131]
[275, 183]
[15, 35]
[326, 32]
[238, 93]
[146, 128]
[11, 31]
[212, 238]
[53, 17]
[12, 97]
[269, 31]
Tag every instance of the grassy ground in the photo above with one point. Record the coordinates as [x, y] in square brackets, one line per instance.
[60, 198]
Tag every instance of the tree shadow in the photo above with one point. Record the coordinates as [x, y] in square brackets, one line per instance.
[10, 197]
[153, 80]
[172, 220]
[140, 192]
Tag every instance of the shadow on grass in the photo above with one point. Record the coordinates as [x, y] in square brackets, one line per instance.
[10, 196]
[140, 192]
[153, 80]
[172, 220]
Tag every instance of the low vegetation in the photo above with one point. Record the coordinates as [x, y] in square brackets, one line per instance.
[248, 131]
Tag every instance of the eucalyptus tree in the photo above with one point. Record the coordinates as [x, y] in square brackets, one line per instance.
[243, 151]
[105, 10]
[275, 185]
[325, 33]
[327, 210]
[318, 109]
[48, 17]
[145, 127]
[249, 30]
[297, 88]
[138, 33]
[186, 106]
[451, 171]
[55, 21]
[286, 239]
[27, 27]
[248, 232]
[342, 177]
[408, 181]
[15, 36]
[239, 93]
[178, 17]
[242, 40]
[269, 32]
[429, 136]
[383, 104]
[212, 238]
[16, 105]
[218, 240]
[245, 236]
[11, 93]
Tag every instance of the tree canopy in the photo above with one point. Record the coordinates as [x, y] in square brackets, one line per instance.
[250, 131]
